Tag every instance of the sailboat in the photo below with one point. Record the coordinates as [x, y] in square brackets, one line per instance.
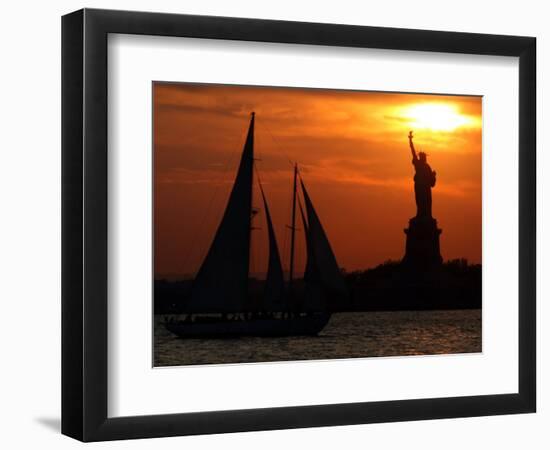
[220, 305]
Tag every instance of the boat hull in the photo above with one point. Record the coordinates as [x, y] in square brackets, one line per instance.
[309, 325]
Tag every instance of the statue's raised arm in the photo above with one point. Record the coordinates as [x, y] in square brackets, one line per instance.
[415, 158]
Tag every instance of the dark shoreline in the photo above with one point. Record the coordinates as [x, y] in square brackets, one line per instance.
[387, 287]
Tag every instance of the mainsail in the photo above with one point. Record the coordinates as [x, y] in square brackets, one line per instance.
[309, 271]
[221, 284]
[274, 284]
[314, 298]
[324, 269]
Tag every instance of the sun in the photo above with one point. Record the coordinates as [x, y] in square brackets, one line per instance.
[434, 116]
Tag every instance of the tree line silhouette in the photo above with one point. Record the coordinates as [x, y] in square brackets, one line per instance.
[391, 286]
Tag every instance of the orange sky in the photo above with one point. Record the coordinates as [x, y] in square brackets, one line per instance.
[353, 152]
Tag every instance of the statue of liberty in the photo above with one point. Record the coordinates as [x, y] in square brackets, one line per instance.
[422, 246]
[424, 181]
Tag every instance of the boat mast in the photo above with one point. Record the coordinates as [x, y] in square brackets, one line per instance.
[253, 211]
[293, 229]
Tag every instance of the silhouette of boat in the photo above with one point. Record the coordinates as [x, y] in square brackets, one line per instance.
[219, 303]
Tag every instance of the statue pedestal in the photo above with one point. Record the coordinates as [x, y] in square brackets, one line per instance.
[422, 247]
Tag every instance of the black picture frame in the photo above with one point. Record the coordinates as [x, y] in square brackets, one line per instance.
[84, 224]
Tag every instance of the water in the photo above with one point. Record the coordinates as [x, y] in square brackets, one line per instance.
[347, 335]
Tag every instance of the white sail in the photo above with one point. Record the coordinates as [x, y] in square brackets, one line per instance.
[221, 284]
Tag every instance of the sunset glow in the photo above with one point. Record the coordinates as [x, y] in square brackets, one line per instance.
[353, 153]
[437, 117]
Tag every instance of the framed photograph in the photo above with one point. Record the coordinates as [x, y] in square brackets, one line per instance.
[273, 224]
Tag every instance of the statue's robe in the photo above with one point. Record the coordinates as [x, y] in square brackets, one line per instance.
[424, 180]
